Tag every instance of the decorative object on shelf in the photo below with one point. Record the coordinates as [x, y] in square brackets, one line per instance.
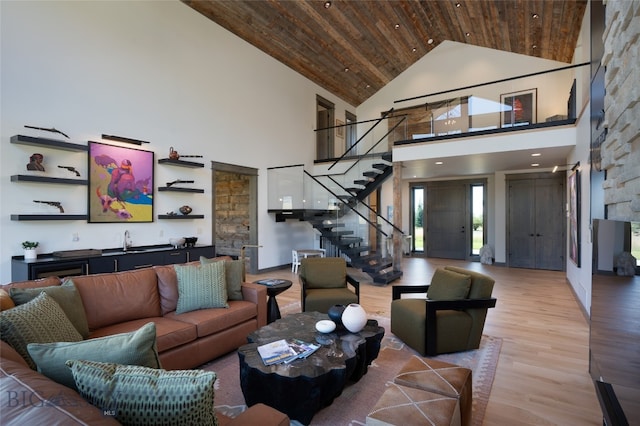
[48, 129]
[176, 242]
[120, 184]
[185, 210]
[335, 314]
[172, 214]
[179, 181]
[57, 204]
[71, 169]
[35, 162]
[325, 326]
[30, 249]
[173, 155]
[190, 241]
[354, 317]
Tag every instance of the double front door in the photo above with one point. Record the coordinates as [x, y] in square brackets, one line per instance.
[536, 222]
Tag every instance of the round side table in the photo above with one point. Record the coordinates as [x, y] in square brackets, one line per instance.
[274, 286]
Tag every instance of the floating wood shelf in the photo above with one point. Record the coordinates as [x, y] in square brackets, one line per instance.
[47, 179]
[62, 216]
[172, 189]
[49, 143]
[180, 216]
[180, 163]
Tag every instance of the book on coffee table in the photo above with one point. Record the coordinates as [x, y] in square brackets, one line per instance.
[285, 350]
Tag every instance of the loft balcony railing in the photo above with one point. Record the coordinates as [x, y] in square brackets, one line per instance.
[536, 100]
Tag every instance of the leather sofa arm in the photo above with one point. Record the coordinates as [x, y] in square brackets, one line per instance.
[399, 290]
[257, 294]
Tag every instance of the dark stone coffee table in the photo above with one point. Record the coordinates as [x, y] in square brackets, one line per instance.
[303, 387]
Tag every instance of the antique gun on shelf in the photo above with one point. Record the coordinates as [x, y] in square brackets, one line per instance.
[57, 204]
[178, 181]
[48, 129]
[71, 169]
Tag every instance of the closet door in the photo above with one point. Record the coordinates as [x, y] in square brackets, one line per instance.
[522, 224]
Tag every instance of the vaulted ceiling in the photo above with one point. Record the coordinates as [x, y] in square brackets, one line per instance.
[354, 48]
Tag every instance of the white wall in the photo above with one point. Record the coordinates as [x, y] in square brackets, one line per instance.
[156, 71]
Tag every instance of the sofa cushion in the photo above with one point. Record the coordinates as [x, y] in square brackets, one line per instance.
[169, 333]
[448, 285]
[168, 284]
[135, 348]
[119, 297]
[38, 321]
[141, 395]
[6, 302]
[201, 287]
[40, 282]
[29, 398]
[233, 275]
[65, 295]
[210, 321]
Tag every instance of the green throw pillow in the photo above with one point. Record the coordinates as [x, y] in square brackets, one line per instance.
[201, 287]
[146, 396]
[66, 295]
[233, 271]
[449, 285]
[134, 348]
[38, 321]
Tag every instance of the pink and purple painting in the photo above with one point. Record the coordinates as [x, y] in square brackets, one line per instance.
[120, 184]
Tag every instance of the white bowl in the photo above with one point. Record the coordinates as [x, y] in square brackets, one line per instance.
[325, 326]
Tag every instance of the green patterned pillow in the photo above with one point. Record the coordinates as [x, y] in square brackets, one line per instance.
[134, 348]
[65, 295]
[233, 271]
[201, 287]
[41, 320]
[146, 396]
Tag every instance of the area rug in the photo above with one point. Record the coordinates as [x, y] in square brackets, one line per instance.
[358, 399]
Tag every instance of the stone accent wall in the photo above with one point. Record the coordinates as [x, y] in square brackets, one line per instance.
[621, 150]
[231, 212]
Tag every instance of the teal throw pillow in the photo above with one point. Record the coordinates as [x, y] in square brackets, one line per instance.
[134, 348]
[201, 287]
[233, 276]
[146, 396]
[449, 285]
[66, 295]
[41, 320]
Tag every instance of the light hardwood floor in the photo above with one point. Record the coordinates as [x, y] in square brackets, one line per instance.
[542, 376]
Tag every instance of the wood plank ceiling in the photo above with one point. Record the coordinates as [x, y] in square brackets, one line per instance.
[354, 48]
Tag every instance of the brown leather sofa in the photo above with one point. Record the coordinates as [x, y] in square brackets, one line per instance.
[123, 302]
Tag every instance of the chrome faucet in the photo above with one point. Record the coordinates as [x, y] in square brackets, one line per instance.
[125, 241]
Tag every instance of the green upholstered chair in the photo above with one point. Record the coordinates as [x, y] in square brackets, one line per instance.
[450, 319]
[323, 282]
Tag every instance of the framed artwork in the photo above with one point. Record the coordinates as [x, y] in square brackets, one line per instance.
[574, 216]
[120, 184]
[340, 129]
[518, 108]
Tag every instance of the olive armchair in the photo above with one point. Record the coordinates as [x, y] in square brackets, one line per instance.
[450, 319]
[324, 282]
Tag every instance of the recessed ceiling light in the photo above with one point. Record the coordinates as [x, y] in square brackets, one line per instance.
[368, 85]
[414, 49]
[535, 165]
[535, 16]
[430, 41]
[327, 4]
[467, 34]
[536, 154]
[396, 26]
[535, 46]
[458, 4]
[346, 69]
[439, 163]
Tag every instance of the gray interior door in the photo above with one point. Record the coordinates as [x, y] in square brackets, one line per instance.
[447, 218]
[536, 223]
